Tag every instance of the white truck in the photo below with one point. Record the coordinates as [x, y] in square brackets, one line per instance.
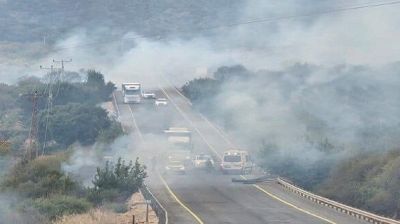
[132, 92]
[236, 162]
[180, 144]
[179, 138]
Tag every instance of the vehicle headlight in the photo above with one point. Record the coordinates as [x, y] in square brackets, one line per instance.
[182, 168]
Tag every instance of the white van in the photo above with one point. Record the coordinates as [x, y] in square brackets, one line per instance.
[236, 161]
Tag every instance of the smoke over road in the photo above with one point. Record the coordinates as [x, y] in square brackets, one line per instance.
[328, 76]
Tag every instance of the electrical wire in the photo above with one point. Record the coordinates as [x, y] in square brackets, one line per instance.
[248, 22]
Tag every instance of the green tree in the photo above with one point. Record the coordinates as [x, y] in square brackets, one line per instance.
[120, 180]
[201, 89]
[95, 82]
[95, 79]
[74, 123]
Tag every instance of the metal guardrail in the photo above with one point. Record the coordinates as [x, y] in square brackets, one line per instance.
[360, 214]
[115, 104]
[160, 211]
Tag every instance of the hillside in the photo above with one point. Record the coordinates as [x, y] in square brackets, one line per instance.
[31, 20]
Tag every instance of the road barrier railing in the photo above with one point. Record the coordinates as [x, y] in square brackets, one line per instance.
[357, 213]
[160, 211]
[115, 104]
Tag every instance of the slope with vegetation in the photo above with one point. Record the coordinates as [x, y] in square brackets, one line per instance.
[303, 132]
[41, 188]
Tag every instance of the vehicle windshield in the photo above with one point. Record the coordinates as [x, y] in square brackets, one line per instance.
[202, 157]
[232, 158]
[175, 163]
[132, 92]
[161, 99]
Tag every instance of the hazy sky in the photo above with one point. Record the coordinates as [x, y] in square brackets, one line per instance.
[365, 36]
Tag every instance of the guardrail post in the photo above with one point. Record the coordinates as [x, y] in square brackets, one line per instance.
[147, 211]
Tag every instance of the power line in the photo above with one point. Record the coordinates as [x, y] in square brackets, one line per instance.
[62, 61]
[54, 78]
[49, 106]
[60, 73]
[80, 11]
[32, 150]
[331, 11]
[248, 22]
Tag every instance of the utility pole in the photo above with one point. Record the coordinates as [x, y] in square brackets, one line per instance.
[51, 68]
[32, 151]
[49, 104]
[62, 61]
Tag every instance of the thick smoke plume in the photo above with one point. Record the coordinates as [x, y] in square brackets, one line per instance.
[327, 76]
[330, 75]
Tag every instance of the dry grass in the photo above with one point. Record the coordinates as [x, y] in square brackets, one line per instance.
[101, 216]
[96, 216]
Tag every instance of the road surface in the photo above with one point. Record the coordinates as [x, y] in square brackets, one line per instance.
[200, 197]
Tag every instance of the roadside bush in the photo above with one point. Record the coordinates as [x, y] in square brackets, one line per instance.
[40, 177]
[60, 205]
[117, 182]
[110, 134]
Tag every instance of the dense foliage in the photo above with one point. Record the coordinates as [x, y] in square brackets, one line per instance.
[72, 115]
[202, 91]
[41, 177]
[367, 181]
[61, 205]
[93, 91]
[117, 182]
[74, 123]
[43, 188]
[47, 189]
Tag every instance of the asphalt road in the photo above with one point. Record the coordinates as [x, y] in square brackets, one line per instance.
[200, 197]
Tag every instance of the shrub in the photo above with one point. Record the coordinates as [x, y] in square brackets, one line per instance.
[59, 205]
[110, 134]
[122, 179]
[39, 177]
